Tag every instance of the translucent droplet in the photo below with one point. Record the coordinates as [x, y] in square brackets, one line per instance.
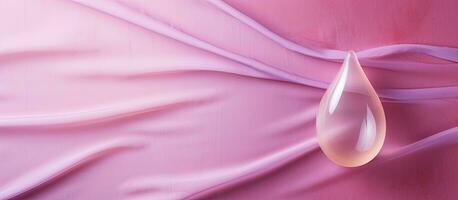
[351, 122]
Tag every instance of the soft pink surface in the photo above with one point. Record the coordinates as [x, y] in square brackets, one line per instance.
[185, 99]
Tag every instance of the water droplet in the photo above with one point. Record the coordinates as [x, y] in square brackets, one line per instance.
[351, 122]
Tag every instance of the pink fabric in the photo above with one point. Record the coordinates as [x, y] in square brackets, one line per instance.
[184, 99]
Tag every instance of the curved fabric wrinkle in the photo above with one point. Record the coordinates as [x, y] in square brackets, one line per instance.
[53, 171]
[442, 139]
[108, 113]
[447, 53]
[404, 94]
[408, 66]
[163, 66]
[313, 52]
[123, 13]
[12, 47]
[439, 140]
[420, 93]
[161, 70]
[206, 183]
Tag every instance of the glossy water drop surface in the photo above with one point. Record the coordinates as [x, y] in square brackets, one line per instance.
[351, 122]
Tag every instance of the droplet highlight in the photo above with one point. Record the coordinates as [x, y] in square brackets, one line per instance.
[351, 121]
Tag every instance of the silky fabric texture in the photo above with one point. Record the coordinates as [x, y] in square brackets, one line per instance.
[199, 99]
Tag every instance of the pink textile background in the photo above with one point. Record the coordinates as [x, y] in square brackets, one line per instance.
[194, 99]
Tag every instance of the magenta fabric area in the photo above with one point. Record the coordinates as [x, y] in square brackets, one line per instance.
[195, 99]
